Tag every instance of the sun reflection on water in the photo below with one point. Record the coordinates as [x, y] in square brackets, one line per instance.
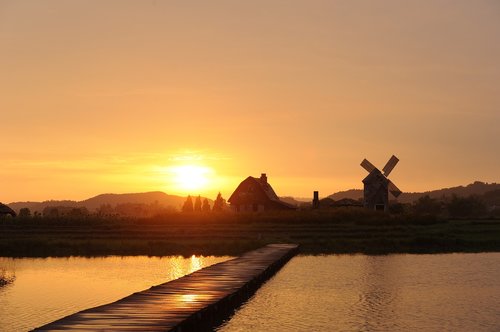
[47, 289]
[196, 263]
[188, 298]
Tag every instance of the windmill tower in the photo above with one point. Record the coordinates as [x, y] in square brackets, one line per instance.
[377, 186]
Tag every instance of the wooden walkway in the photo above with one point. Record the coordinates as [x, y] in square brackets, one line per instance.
[196, 302]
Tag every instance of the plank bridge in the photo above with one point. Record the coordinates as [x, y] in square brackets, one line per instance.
[196, 302]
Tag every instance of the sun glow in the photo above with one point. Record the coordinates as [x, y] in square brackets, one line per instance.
[190, 177]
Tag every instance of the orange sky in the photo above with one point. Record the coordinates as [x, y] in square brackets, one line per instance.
[109, 95]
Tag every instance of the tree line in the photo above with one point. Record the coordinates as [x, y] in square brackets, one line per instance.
[472, 206]
[134, 210]
[199, 206]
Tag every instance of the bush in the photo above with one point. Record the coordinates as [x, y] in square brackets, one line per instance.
[427, 206]
[464, 207]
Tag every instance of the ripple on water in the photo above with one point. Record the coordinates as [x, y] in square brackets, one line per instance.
[48, 289]
[377, 293]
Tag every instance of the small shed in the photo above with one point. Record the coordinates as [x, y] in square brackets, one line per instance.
[256, 194]
[329, 203]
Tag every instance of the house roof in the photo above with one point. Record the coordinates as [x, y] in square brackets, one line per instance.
[4, 209]
[266, 188]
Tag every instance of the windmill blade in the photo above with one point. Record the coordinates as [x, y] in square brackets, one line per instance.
[367, 165]
[390, 165]
[394, 190]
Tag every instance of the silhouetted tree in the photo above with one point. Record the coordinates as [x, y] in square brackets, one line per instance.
[51, 212]
[397, 208]
[206, 206]
[471, 206]
[105, 210]
[78, 212]
[491, 198]
[197, 204]
[219, 203]
[188, 205]
[137, 210]
[25, 213]
[427, 205]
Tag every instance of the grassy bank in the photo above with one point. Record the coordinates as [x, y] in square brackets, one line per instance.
[318, 232]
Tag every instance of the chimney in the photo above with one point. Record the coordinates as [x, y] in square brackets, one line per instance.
[315, 202]
[263, 178]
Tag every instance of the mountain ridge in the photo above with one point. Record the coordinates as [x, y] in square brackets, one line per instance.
[93, 203]
[176, 201]
[475, 188]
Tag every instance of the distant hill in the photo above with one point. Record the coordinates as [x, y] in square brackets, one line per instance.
[39, 206]
[138, 198]
[113, 200]
[292, 200]
[476, 188]
[355, 194]
[173, 201]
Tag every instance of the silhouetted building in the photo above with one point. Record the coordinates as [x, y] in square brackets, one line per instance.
[315, 202]
[347, 202]
[256, 194]
[376, 191]
[328, 203]
[5, 210]
[377, 186]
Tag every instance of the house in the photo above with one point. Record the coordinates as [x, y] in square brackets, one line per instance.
[5, 210]
[256, 194]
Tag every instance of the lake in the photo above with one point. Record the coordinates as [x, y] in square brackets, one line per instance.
[46, 289]
[449, 292]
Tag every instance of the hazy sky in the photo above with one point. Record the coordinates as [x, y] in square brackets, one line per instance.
[111, 96]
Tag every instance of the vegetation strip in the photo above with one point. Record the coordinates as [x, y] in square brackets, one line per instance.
[317, 232]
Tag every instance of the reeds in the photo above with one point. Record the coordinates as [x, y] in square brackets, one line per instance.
[6, 278]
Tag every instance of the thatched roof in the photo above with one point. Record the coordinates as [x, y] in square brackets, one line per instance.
[265, 194]
[4, 210]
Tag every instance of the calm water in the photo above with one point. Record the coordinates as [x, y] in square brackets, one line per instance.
[44, 290]
[452, 292]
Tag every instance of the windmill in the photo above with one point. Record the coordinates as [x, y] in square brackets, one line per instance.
[377, 186]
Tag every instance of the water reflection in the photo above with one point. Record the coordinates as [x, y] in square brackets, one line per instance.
[188, 298]
[196, 263]
[378, 285]
[51, 288]
[453, 292]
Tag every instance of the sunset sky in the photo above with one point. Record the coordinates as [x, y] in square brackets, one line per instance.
[191, 97]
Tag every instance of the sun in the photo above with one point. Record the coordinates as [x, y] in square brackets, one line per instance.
[189, 178]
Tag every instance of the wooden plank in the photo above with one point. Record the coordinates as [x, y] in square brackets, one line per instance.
[196, 302]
